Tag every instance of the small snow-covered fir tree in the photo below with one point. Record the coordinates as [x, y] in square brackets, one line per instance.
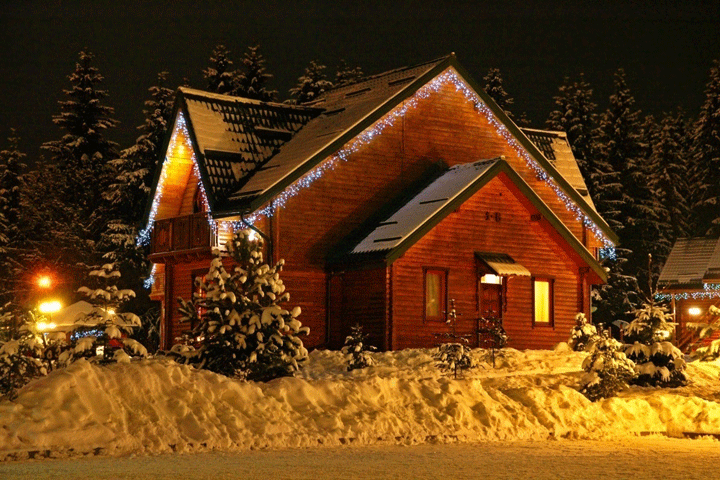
[711, 351]
[101, 335]
[253, 77]
[240, 326]
[608, 368]
[583, 334]
[356, 349]
[21, 352]
[494, 87]
[312, 84]
[658, 362]
[454, 358]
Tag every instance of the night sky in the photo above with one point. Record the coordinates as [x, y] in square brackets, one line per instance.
[666, 49]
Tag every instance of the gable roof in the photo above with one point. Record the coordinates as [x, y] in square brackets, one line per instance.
[395, 235]
[556, 148]
[691, 263]
[243, 169]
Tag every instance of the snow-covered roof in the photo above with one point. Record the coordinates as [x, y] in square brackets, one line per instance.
[428, 203]
[236, 135]
[502, 264]
[692, 262]
[556, 148]
[343, 108]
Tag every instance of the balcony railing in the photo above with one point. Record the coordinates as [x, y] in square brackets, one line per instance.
[179, 234]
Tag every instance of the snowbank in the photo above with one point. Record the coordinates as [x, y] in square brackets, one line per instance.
[156, 406]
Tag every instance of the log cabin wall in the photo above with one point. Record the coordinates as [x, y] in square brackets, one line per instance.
[445, 127]
[452, 244]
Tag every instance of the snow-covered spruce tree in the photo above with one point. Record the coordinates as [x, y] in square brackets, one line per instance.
[494, 88]
[312, 84]
[608, 369]
[670, 167]
[705, 154]
[77, 175]
[218, 76]
[346, 75]
[99, 335]
[253, 77]
[711, 351]
[20, 353]
[454, 358]
[658, 362]
[583, 334]
[575, 115]
[357, 352]
[241, 328]
[11, 244]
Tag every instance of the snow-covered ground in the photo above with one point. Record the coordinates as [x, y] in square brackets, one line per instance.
[157, 407]
[638, 458]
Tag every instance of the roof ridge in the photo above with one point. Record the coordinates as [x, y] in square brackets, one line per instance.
[382, 74]
[194, 92]
[559, 133]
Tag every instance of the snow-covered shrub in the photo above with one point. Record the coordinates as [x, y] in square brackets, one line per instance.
[241, 329]
[101, 335]
[21, 353]
[710, 351]
[583, 333]
[454, 358]
[608, 368]
[356, 350]
[657, 361]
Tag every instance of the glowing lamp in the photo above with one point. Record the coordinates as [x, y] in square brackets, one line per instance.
[50, 307]
[111, 311]
[490, 278]
[44, 281]
[253, 236]
[42, 326]
[694, 311]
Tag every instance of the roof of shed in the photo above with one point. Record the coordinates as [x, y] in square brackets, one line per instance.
[692, 262]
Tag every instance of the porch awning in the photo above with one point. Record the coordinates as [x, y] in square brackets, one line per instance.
[502, 264]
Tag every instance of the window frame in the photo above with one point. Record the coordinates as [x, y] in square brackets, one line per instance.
[551, 294]
[443, 273]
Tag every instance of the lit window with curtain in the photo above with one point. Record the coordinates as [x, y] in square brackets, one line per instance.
[435, 293]
[542, 301]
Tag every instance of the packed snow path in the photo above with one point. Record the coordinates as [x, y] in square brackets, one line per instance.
[158, 406]
[638, 458]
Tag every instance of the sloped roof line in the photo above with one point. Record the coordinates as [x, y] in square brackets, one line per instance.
[544, 169]
[692, 262]
[465, 185]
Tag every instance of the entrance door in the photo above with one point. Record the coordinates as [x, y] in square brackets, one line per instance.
[490, 296]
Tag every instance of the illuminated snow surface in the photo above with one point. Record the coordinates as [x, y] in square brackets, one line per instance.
[159, 407]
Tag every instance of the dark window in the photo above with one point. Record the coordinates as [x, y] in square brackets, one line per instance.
[435, 293]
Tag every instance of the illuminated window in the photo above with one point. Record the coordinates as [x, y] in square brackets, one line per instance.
[492, 279]
[542, 301]
[435, 294]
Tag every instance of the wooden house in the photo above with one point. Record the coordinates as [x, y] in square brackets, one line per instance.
[690, 279]
[387, 199]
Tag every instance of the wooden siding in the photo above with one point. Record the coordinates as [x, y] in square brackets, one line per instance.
[444, 128]
[357, 297]
[180, 180]
[452, 245]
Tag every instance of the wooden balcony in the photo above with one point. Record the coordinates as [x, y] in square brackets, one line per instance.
[189, 235]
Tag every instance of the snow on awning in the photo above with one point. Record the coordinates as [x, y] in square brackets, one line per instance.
[502, 264]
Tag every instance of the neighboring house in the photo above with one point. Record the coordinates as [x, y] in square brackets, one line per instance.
[690, 279]
[386, 198]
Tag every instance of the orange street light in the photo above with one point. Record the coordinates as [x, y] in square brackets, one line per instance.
[44, 281]
[50, 307]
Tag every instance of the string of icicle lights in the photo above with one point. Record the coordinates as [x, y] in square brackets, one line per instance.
[448, 77]
[712, 290]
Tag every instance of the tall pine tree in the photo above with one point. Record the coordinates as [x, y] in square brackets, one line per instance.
[78, 173]
[312, 84]
[253, 78]
[219, 78]
[11, 184]
[346, 75]
[494, 88]
[706, 158]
